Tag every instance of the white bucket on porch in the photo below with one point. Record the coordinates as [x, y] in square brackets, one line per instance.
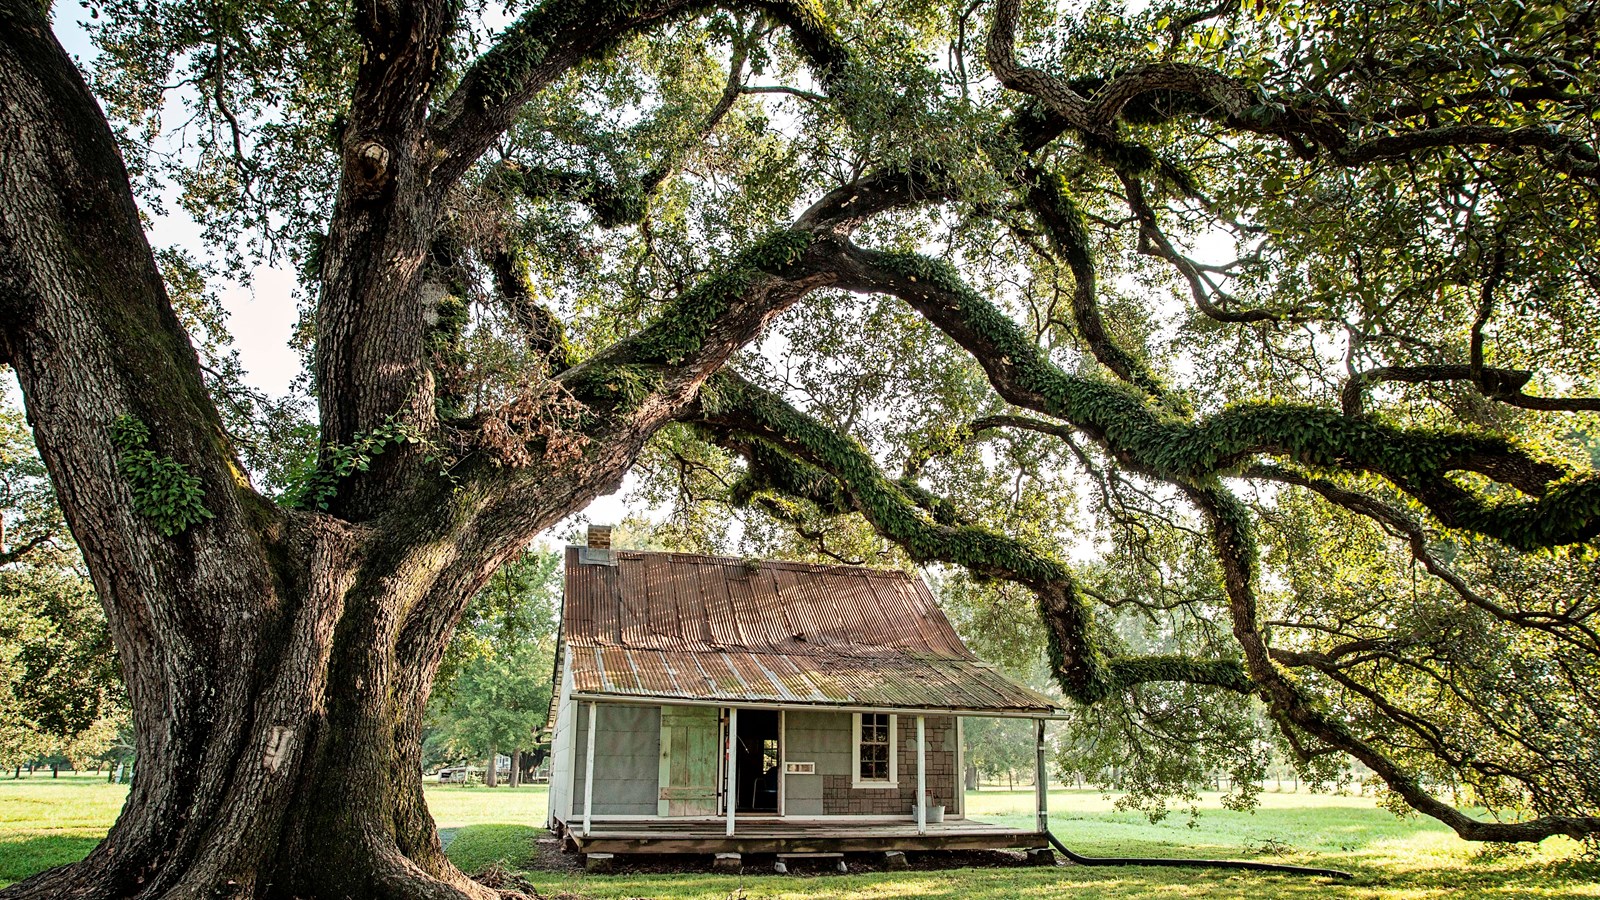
[935, 815]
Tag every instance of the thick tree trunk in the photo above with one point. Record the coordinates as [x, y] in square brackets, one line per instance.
[317, 797]
[351, 824]
[277, 663]
[491, 775]
[516, 769]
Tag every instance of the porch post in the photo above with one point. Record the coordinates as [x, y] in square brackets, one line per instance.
[783, 761]
[732, 793]
[922, 776]
[1041, 787]
[588, 773]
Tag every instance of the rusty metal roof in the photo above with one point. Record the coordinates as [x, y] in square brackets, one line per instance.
[704, 628]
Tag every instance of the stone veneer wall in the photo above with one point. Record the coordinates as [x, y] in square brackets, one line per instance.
[840, 799]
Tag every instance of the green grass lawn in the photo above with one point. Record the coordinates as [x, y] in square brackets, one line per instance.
[46, 822]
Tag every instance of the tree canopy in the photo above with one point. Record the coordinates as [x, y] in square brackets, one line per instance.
[1346, 248]
[1249, 349]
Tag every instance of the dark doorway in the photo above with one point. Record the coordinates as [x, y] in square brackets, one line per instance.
[757, 751]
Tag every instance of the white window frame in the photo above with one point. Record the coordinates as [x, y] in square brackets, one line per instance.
[855, 754]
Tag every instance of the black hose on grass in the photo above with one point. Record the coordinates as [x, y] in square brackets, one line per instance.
[1192, 863]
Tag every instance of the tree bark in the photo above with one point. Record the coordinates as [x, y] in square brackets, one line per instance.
[516, 769]
[276, 663]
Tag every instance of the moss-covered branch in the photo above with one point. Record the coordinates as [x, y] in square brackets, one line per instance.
[696, 331]
[1555, 506]
[793, 454]
[1310, 123]
[681, 329]
[542, 331]
[611, 202]
[1561, 626]
[1055, 209]
[1233, 540]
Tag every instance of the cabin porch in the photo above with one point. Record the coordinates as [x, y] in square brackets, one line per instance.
[790, 835]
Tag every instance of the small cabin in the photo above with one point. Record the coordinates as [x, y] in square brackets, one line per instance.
[716, 705]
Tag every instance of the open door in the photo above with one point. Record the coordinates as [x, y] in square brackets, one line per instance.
[690, 757]
[758, 751]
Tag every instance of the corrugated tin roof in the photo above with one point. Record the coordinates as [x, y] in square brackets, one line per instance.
[688, 627]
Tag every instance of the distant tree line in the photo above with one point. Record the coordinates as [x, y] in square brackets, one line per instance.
[62, 701]
[492, 695]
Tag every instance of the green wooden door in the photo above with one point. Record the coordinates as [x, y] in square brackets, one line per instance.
[689, 756]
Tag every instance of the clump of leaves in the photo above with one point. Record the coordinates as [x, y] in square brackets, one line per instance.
[163, 489]
[314, 486]
[534, 425]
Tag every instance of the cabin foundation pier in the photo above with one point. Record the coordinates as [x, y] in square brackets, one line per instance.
[598, 862]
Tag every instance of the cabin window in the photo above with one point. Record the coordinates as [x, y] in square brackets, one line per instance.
[874, 750]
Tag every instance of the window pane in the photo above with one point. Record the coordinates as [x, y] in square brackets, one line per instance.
[874, 747]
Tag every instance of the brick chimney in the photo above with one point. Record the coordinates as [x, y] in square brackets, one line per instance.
[599, 537]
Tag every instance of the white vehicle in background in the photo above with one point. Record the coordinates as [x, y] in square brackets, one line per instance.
[461, 775]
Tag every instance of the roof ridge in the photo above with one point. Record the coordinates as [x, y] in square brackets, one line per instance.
[760, 563]
[823, 650]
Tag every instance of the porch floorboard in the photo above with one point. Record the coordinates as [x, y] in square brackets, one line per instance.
[798, 836]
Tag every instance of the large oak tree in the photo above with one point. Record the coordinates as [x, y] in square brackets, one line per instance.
[530, 251]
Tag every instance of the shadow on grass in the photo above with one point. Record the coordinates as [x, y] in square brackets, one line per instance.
[24, 857]
[476, 847]
[1531, 882]
[955, 884]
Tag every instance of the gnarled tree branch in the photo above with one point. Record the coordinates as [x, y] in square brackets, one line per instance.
[1560, 507]
[796, 455]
